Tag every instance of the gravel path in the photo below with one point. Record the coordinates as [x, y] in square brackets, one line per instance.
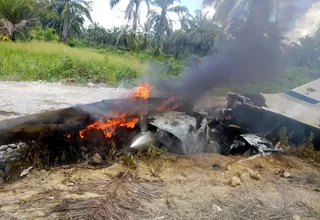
[22, 98]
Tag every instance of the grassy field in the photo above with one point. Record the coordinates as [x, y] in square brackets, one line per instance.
[55, 62]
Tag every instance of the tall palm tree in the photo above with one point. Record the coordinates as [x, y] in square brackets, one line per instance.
[202, 27]
[184, 19]
[160, 19]
[96, 33]
[72, 15]
[235, 11]
[147, 33]
[132, 11]
[197, 36]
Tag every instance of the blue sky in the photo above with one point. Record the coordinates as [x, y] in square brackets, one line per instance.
[192, 4]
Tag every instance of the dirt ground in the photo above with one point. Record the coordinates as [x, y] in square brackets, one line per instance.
[161, 187]
[22, 98]
[168, 187]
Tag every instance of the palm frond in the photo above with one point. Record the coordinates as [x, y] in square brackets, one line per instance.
[129, 11]
[82, 9]
[114, 3]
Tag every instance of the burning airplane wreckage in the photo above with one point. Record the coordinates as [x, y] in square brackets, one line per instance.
[140, 121]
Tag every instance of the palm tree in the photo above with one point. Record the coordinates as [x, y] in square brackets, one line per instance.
[160, 19]
[132, 11]
[197, 36]
[238, 11]
[202, 28]
[72, 15]
[97, 34]
[147, 33]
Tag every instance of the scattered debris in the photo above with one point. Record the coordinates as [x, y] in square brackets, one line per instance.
[286, 174]
[271, 114]
[181, 132]
[25, 171]
[216, 208]
[283, 173]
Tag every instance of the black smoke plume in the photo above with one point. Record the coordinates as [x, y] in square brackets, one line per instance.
[252, 54]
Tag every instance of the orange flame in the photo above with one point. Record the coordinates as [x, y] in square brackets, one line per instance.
[109, 126]
[164, 105]
[142, 92]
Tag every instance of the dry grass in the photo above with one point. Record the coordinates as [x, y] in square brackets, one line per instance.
[125, 197]
[305, 152]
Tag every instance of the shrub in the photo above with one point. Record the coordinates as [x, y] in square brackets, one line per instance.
[40, 34]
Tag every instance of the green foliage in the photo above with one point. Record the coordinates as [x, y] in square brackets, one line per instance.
[40, 34]
[4, 37]
[55, 62]
[18, 10]
[116, 48]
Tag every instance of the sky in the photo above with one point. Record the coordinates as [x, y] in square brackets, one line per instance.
[305, 23]
[108, 18]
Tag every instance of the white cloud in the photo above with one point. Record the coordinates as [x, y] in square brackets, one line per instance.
[307, 24]
[108, 18]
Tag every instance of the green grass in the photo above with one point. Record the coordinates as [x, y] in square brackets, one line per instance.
[55, 62]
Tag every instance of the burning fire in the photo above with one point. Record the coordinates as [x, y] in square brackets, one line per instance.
[164, 105]
[67, 135]
[142, 92]
[108, 127]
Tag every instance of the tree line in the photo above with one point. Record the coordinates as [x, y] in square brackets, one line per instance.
[200, 33]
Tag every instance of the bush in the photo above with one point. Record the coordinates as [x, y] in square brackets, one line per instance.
[47, 35]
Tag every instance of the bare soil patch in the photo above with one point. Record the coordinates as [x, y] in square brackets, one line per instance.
[167, 187]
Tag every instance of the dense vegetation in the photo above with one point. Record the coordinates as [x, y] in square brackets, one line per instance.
[40, 28]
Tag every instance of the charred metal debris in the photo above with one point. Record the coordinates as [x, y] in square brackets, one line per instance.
[245, 126]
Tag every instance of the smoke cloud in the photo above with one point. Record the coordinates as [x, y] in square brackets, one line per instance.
[253, 54]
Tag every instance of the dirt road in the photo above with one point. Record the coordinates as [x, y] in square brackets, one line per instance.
[21, 98]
